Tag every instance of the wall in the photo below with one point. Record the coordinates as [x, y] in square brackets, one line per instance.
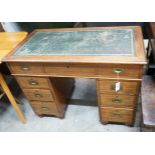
[11, 27]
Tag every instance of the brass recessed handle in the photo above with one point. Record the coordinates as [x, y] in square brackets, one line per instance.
[25, 68]
[117, 115]
[45, 108]
[118, 70]
[38, 95]
[116, 100]
[33, 82]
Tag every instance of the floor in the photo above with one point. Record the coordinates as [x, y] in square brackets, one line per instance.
[81, 115]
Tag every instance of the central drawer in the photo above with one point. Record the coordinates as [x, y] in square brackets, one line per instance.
[70, 70]
[117, 115]
[38, 94]
[119, 101]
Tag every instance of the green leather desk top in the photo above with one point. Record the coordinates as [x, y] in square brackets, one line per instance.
[117, 42]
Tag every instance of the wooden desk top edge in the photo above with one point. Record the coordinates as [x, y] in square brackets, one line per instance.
[138, 59]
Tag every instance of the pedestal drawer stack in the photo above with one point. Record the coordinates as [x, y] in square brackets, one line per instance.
[118, 106]
[39, 92]
[46, 97]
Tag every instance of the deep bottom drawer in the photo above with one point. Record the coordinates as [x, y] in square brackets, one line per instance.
[45, 108]
[119, 115]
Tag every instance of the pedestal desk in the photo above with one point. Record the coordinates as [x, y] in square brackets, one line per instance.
[47, 61]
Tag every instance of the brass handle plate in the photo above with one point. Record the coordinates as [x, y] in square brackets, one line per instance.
[118, 70]
[45, 108]
[116, 100]
[117, 115]
[25, 68]
[33, 82]
[38, 95]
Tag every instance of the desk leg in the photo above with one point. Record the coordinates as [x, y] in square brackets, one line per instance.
[11, 99]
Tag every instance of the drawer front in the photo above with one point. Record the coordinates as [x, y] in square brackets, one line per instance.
[38, 94]
[126, 87]
[44, 108]
[33, 82]
[112, 71]
[117, 115]
[26, 68]
[70, 70]
[121, 71]
[119, 101]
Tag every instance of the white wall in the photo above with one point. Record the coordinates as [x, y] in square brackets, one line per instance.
[11, 27]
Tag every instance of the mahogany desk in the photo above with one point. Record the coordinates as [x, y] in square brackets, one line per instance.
[47, 61]
[8, 41]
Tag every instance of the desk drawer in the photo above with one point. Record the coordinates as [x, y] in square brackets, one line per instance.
[121, 71]
[70, 70]
[117, 101]
[33, 82]
[38, 94]
[126, 87]
[26, 68]
[106, 70]
[44, 108]
[120, 115]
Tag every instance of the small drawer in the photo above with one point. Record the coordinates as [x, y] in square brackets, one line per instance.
[126, 87]
[119, 115]
[121, 71]
[118, 101]
[26, 68]
[38, 94]
[45, 108]
[33, 82]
